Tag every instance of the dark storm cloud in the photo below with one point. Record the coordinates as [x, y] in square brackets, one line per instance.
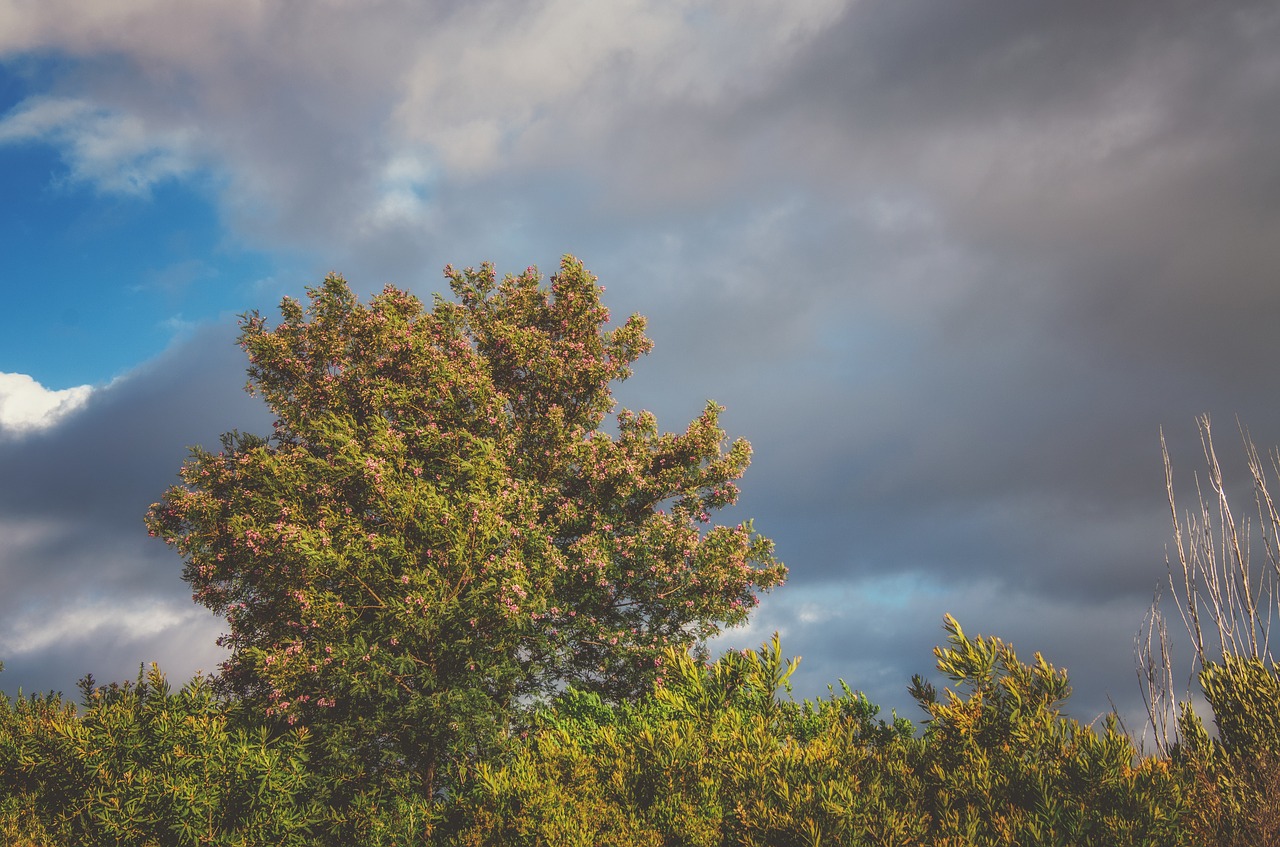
[875, 634]
[131, 433]
[1118, 158]
[88, 590]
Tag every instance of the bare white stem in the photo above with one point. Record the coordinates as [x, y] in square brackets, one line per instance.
[1215, 583]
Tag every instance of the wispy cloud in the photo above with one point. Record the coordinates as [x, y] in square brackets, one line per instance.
[108, 150]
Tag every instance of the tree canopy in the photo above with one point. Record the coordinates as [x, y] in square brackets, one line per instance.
[438, 525]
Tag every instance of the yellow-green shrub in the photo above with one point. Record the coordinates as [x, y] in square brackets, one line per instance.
[145, 765]
[1002, 765]
[1236, 776]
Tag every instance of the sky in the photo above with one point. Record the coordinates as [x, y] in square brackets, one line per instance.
[951, 267]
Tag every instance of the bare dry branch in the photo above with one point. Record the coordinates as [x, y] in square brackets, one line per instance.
[1215, 582]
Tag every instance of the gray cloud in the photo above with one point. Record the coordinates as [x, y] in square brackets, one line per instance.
[93, 592]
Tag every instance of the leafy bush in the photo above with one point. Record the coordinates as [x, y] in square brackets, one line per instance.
[1002, 765]
[146, 765]
[714, 756]
[1236, 776]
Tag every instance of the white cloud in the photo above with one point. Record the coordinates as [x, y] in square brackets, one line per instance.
[373, 91]
[117, 153]
[26, 405]
[194, 33]
[49, 647]
[132, 621]
[501, 86]
[403, 193]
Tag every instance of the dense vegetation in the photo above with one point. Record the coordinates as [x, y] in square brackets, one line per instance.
[459, 612]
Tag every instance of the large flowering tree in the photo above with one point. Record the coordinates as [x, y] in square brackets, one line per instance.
[438, 527]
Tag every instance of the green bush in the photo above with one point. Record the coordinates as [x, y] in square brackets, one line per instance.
[145, 765]
[1235, 776]
[1003, 765]
[714, 756]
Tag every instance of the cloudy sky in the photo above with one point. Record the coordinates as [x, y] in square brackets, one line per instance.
[950, 266]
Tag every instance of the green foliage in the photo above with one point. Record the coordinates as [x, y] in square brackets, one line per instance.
[1236, 776]
[146, 765]
[1002, 765]
[718, 754]
[717, 757]
[26, 788]
[714, 756]
[1245, 696]
[438, 528]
